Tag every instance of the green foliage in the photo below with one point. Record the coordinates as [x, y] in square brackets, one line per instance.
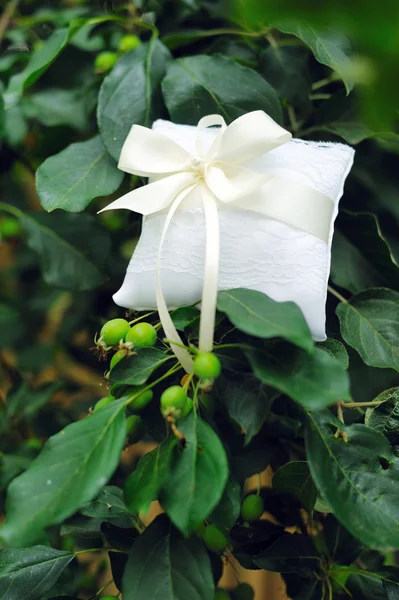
[75, 76]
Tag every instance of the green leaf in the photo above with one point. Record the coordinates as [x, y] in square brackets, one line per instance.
[247, 401]
[71, 248]
[130, 94]
[1, 117]
[136, 369]
[152, 471]
[286, 68]
[39, 62]
[200, 85]
[257, 314]
[108, 504]
[28, 573]
[358, 477]
[72, 178]
[198, 475]
[329, 46]
[11, 325]
[179, 567]
[182, 317]
[314, 380]
[228, 509]
[294, 478]
[361, 256]
[55, 106]
[290, 553]
[24, 401]
[385, 417]
[71, 469]
[336, 349]
[370, 324]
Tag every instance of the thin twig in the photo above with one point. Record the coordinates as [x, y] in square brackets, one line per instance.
[337, 294]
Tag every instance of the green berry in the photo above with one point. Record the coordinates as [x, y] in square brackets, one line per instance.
[138, 402]
[173, 400]
[105, 61]
[134, 429]
[200, 530]
[244, 591]
[252, 508]
[9, 227]
[117, 357]
[142, 335]
[128, 42]
[187, 408]
[221, 594]
[103, 402]
[215, 539]
[207, 366]
[114, 331]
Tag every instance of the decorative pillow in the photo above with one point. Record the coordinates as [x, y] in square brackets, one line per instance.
[256, 251]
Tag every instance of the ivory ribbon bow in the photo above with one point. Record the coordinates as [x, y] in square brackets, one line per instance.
[223, 179]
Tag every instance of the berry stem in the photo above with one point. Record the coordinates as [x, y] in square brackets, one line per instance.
[142, 317]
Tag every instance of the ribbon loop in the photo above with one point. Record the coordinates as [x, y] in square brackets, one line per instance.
[222, 174]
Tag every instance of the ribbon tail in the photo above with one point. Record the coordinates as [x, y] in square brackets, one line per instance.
[170, 330]
[211, 271]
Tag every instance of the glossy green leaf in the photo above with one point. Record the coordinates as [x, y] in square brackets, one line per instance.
[152, 471]
[39, 62]
[295, 478]
[71, 248]
[257, 314]
[247, 401]
[361, 256]
[28, 573]
[136, 369]
[330, 47]
[198, 475]
[370, 324]
[72, 178]
[71, 469]
[314, 380]
[336, 349]
[179, 567]
[130, 94]
[54, 107]
[108, 504]
[200, 85]
[228, 509]
[358, 476]
[385, 416]
[290, 553]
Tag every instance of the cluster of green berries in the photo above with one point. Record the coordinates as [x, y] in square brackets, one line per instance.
[106, 60]
[242, 592]
[141, 335]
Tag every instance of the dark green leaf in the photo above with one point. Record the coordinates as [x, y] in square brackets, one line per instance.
[336, 349]
[198, 475]
[152, 471]
[199, 85]
[136, 369]
[130, 94]
[361, 257]
[370, 324]
[72, 248]
[182, 317]
[290, 553]
[227, 511]
[295, 478]
[108, 504]
[118, 562]
[72, 468]
[257, 314]
[314, 380]
[179, 567]
[55, 106]
[11, 325]
[363, 586]
[286, 68]
[27, 402]
[358, 478]
[247, 401]
[385, 416]
[28, 573]
[1, 118]
[329, 46]
[72, 178]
